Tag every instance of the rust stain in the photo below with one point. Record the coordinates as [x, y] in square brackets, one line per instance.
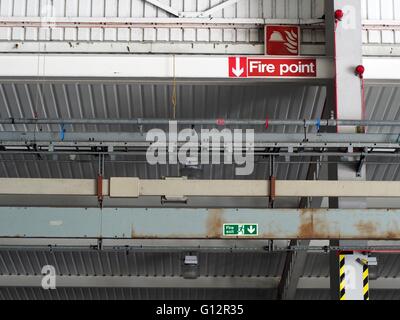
[392, 235]
[133, 236]
[306, 230]
[270, 233]
[369, 230]
[366, 229]
[214, 223]
[313, 226]
[308, 210]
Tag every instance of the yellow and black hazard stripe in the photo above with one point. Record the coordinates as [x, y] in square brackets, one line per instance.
[342, 288]
[365, 282]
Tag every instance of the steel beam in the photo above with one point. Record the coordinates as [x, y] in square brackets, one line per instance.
[167, 22]
[158, 67]
[198, 223]
[63, 281]
[123, 187]
[323, 283]
[182, 22]
[215, 48]
[308, 123]
[128, 139]
[118, 66]
[294, 266]
[143, 245]
[344, 35]
[296, 260]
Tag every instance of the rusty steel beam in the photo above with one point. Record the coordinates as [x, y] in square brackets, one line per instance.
[166, 223]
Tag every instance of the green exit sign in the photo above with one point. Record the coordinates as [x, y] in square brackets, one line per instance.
[241, 229]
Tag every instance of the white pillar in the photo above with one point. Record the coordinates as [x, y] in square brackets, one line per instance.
[344, 98]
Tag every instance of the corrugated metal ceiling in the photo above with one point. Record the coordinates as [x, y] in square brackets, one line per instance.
[93, 262]
[323, 294]
[13, 293]
[153, 263]
[131, 100]
[28, 293]
[383, 103]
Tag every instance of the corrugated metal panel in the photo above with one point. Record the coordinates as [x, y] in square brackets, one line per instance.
[312, 294]
[152, 263]
[135, 294]
[323, 294]
[388, 265]
[381, 10]
[382, 103]
[317, 265]
[30, 262]
[134, 100]
[385, 295]
[27, 293]
[276, 9]
[130, 100]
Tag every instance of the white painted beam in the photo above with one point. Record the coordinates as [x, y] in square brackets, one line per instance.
[159, 66]
[382, 68]
[129, 66]
[134, 187]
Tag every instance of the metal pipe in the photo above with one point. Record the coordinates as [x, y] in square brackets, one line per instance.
[219, 122]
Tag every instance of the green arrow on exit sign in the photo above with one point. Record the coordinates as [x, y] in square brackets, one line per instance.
[241, 229]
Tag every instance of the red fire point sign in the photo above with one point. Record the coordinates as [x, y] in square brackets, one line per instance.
[249, 67]
[237, 67]
[282, 40]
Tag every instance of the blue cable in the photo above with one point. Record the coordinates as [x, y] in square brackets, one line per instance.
[62, 132]
[318, 124]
